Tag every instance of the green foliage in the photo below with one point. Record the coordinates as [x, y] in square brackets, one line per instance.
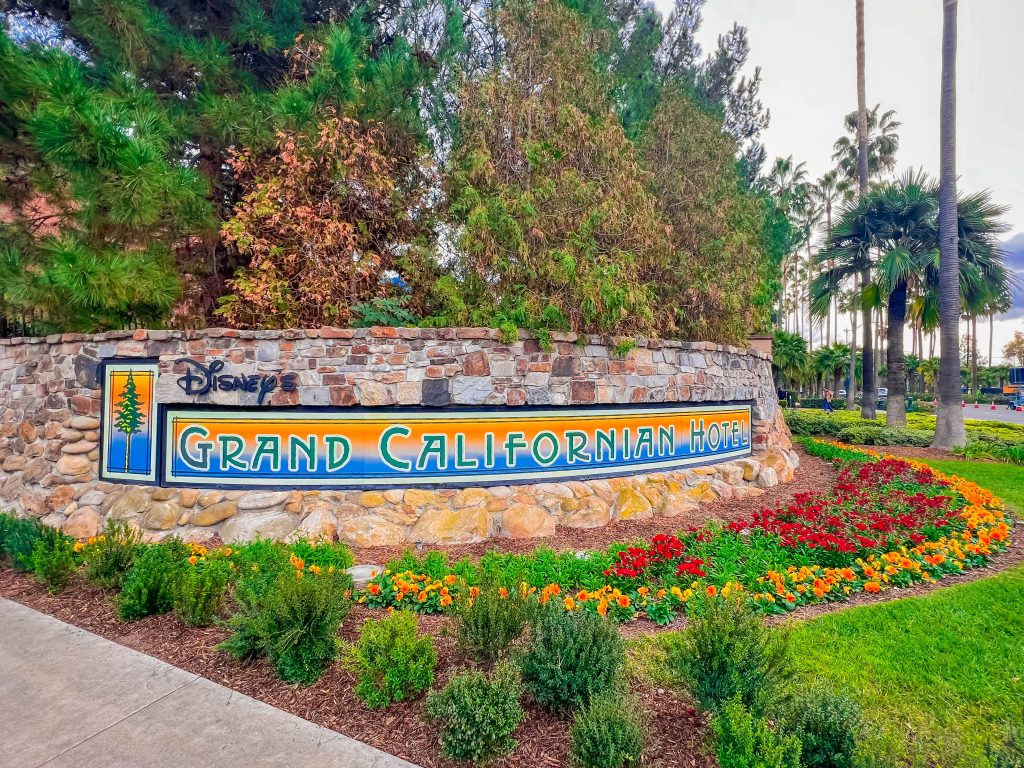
[200, 592]
[148, 586]
[110, 555]
[478, 714]
[325, 554]
[18, 537]
[744, 740]
[572, 658]
[53, 560]
[827, 723]
[872, 435]
[828, 451]
[727, 652]
[293, 621]
[392, 661]
[384, 311]
[492, 623]
[608, 733]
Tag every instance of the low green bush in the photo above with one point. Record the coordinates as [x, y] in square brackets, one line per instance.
[572, 658]
[148, 586]
[18, 537]
[392, 662]
[828, 451]
[53, 560]
[478, 714]
[109, 556]
[828, 725]
[744, 740]
[201, 591]
[993, 449]
[494, 620]
[324, 554]
[878, 435]
[293, 621]
[608, 733]
[727, 652]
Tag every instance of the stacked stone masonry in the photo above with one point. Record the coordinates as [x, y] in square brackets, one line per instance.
[50, 406]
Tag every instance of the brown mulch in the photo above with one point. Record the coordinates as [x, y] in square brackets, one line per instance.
[910, 452]
[813, 474]
[679, 735]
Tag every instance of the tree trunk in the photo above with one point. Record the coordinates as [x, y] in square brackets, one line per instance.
[851, 391]
[991, 330]
[867, 403]
[896, 379]
[974, 355]
[949, 426]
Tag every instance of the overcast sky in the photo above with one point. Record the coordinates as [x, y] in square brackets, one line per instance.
[806, 50]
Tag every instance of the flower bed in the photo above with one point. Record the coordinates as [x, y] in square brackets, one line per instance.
[886, 522]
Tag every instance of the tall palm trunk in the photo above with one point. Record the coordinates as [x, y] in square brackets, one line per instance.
[991, 330]
[867, 403]
[851, 394]
[949, 426]
[974, 354]
[896, 377]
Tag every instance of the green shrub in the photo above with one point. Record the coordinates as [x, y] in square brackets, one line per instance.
[478, 714]
[608, 733]
[878, 435]
[573, 657]
[392, 661]
[324, 554]
[492, 623]
[148, 586]
[18, 537]
[743, 740]
[828, 451]
[201, 590]
[726, 651]
[109, 557]
[828, 724]
[53, 560]
[1009, 754]
[293, 621]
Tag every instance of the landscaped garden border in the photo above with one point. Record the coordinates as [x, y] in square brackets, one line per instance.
[949, 506]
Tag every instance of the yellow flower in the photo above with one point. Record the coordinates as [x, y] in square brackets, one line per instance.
[569, 603]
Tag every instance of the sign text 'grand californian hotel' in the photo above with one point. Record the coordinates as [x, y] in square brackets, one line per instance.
[198, 445]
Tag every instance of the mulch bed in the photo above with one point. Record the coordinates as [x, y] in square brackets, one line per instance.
[679, 735]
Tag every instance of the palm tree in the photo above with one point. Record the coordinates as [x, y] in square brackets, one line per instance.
[831, 360]
[949, 424]
[831, 189]
[883, 143]
[867, 407]
[929, 370]
[897, 223]
[789, 356]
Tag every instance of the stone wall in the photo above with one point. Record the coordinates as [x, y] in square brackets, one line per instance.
[50, 405]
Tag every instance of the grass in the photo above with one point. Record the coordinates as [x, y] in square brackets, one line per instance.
[940, 677]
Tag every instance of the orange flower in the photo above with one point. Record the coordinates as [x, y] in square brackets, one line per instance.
[569, 603]
[502, 593]
[474, 592]
[872, 586]
[623, 602]
[602, 608]
[555, 589]
[193, 560]
[450, 579]
[422, 597]
[445, 601]
[374, 588]
[712, 590]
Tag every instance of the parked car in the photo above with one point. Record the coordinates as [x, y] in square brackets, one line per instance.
[841, 393]
[883, 393]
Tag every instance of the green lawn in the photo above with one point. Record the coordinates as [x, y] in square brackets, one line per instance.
[939, 676]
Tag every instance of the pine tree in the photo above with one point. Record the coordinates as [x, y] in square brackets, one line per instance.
[128, 416]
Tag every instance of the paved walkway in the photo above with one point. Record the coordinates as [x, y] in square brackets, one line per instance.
[71, 698]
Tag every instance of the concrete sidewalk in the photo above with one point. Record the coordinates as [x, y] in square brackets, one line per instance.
[71, 698]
